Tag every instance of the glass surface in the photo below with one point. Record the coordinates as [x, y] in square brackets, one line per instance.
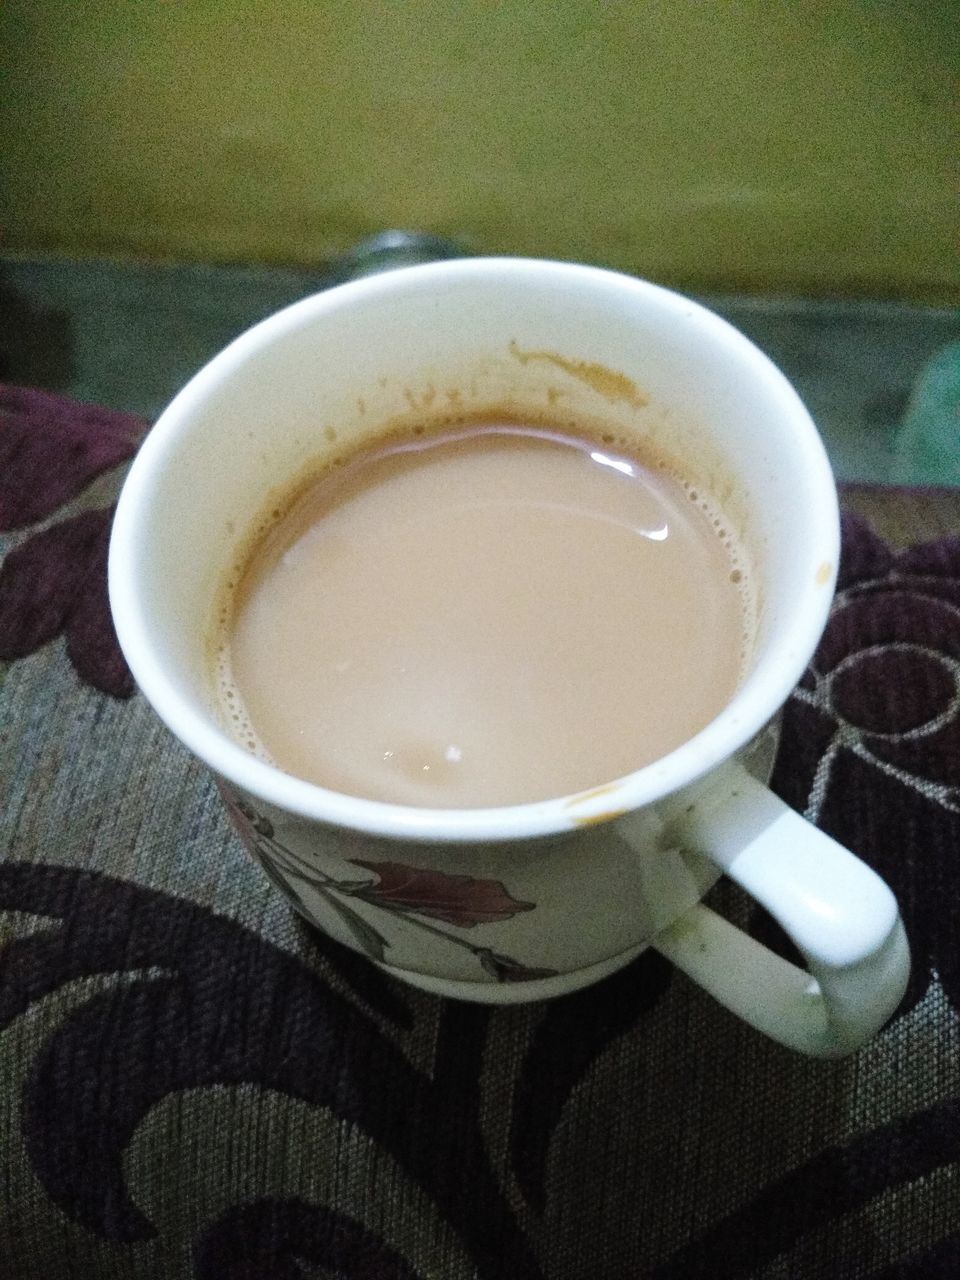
[881, 379]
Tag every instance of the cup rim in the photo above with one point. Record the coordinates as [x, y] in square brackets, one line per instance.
[763, 692]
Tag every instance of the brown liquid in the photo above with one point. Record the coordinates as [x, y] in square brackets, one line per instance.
[487, 617]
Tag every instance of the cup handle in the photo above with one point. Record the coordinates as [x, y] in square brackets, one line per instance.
[839, 914]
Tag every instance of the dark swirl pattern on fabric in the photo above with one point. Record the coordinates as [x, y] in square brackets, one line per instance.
[54, 579]
[874, 736]
[223, 1008]
[271, 1238]
[164, 1021]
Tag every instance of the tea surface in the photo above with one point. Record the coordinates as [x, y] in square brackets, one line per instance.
[489, 616]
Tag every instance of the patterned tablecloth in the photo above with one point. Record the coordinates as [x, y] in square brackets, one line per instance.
[194, 1084]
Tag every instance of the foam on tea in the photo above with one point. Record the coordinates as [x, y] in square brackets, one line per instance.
[486, 616]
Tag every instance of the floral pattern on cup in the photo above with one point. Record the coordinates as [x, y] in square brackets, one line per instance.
[419, 895]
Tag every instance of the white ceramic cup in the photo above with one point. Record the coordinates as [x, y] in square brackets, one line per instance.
[534, 900]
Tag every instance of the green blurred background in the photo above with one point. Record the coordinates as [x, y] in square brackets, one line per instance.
[804, 148]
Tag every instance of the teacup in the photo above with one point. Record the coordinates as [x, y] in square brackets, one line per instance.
[533, 900]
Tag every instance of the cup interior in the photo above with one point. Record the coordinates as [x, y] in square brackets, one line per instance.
[429, 343]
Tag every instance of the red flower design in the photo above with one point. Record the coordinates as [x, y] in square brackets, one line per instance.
[458, 900]
[415, 893]
[54, 580]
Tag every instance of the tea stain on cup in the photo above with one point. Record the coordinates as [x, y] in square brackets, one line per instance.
[583, 797]
[609, 383]
[595, 793]
[423, 401]
[824, 573]
[596, 819]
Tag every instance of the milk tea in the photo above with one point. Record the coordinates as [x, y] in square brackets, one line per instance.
[488, 615]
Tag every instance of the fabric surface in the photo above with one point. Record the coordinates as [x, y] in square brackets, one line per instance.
[194, 1084]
